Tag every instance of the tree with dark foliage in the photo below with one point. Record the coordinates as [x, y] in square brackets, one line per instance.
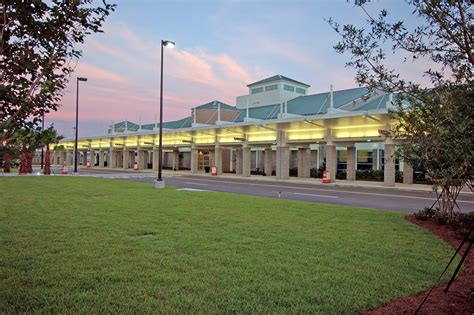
[38, 50]
[434, 125]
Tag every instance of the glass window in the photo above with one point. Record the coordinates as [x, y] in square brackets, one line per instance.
[300, 91]
[364, 159]
[271, 87]
[257, 90]
[290, 88]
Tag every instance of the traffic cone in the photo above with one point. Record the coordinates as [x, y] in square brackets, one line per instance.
[326, 177]
[135, 166]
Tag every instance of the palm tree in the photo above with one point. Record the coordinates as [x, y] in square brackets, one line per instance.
[26, 141]
[48, 137]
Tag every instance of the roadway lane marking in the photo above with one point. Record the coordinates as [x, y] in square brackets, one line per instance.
[334, 191]
[199, 184]
[313, 195]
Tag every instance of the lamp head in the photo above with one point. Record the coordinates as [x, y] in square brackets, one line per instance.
[81, 79]
[168, 43]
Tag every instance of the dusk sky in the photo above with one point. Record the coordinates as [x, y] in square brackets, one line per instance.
[221, 46]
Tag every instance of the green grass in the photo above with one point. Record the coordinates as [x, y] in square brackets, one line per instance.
[77, 245]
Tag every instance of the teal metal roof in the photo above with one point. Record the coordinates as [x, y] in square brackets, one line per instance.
[277, 77]
[315, 104]
[345, 96]
[148, 126]
[181, 123]
[215, 105]
[262, 112]
[377, 103]
[126, 125]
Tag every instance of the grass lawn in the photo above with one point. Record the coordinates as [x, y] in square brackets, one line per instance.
[95, 246]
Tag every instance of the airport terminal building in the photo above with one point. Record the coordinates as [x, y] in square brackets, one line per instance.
[278, 129]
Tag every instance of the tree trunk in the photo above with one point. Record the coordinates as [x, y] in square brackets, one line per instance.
[6, 163]
[29, 162]
[47, 162]
[447, 201]
[23, 163]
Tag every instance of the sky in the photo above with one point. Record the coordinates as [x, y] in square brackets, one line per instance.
[221, 46]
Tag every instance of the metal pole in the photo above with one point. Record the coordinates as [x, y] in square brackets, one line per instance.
[77, 114]
[160, 145]
[42, 149]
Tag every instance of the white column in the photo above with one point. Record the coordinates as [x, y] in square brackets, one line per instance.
[218, 159]
[351, 163]
[246, 162]
[331, 160]
[268, 166]
[407, 173]
[389, 165]
[126, 158]
[282, 156]
[304, 164]
[194, 159]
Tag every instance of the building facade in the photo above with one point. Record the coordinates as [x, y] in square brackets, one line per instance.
[276, 130]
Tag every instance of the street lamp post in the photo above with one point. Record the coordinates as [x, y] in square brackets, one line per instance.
[42, 148]
[160, 183]
[77, 116]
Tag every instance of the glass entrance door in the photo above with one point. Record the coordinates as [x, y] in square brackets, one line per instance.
[203, 160]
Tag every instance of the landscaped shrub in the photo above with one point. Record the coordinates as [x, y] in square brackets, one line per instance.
[431, 211]
[371, 175]
[461, 233]
[294, 172]
[426, 213]
[398, 177]
[316, 173]
[341, 174]
[441, 218]
[421, 215]
[257, 172]
[460, 223]
[420, 178]
[454, 223]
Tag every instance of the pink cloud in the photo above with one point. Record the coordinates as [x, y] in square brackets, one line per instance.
[96, 73]
[190, 67]
[234, 70]
[111, 51]
[195, 65]
[193, 77]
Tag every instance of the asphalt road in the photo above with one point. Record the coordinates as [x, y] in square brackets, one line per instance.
[378, 198]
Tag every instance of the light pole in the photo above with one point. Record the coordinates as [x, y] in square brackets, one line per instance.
[42, 148]
[159, 183]
[77, 116]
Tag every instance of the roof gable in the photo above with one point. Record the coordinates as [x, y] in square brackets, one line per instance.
[215, 105]
[277, 77]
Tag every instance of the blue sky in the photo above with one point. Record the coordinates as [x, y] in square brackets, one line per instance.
[220, 47]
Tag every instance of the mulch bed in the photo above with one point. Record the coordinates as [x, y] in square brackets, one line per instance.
[458, 300]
